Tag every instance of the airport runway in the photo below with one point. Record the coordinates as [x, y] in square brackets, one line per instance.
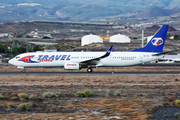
[86, 73]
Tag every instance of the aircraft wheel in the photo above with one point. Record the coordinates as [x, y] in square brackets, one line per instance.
[89, 70]
[24, 71]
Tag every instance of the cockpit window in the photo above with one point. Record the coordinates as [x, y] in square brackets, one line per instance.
[17, 57]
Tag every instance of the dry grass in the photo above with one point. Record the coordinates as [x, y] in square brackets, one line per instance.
[125, 108]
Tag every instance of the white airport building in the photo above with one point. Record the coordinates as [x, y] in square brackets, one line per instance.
[89, 39]
[119, 39]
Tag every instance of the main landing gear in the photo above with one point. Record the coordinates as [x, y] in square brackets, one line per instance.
[89, 70]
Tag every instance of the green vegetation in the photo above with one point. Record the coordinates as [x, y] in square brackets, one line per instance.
[57, 94]
[18, 50]
[176, 37]
[3, 97]
[108, 92]
[33, 97]
[176, 115]
[80, 94]
[22, 99]
[9, 106]
[100, 90]
[23, 95]
[47, 94]
[117, 93]
[24, 107]
[162, 91]
[177, 103]
[86, 93]
[14, 98]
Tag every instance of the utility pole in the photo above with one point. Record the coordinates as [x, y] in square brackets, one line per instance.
[2, 58]
[26, 48]
[142, 36]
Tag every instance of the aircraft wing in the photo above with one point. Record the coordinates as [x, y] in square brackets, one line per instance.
[94, 61]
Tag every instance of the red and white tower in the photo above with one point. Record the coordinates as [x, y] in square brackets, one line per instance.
[107, 31]
[36, 29]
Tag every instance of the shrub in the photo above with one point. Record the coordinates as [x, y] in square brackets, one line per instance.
[47, 95]
[57, 94]
[176, 115]
[22, 99]
[14, 98]
[117, 93]
[162, 91]
[100, 90]
[9, 105]
[23, 95]
[88, 93]
[3, 97]
[33, 97]
[80, 94]
[24, 107]
[108, 92]
[177, 103]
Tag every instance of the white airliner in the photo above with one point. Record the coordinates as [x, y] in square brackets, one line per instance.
[169, 59]
[77, 60]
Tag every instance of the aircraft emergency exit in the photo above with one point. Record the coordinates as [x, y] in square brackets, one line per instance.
[77, 60]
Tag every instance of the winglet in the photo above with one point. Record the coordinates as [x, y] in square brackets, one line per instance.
[109, 51]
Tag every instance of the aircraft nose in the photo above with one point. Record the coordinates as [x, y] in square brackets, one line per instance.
[10, 61]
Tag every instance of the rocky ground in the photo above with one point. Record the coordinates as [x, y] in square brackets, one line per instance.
[142, 97]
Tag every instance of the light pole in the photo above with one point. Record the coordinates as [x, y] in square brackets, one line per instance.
[1, 57]
[142, 36]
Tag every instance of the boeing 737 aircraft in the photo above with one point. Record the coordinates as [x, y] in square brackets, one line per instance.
[77, 60]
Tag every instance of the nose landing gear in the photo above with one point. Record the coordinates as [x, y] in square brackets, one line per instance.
[24, 71]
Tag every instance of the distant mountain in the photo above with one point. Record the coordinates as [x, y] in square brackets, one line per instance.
[83, 10]
[155, 27]
[156, 11]
[47, 3]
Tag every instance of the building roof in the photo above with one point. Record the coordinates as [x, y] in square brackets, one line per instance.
[119, 39]
[42, 43]
[88, 39]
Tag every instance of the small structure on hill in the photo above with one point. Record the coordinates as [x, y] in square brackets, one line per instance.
[88, 39]
[119, 39]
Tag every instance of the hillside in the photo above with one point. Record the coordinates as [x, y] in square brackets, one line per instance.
[83, 10]
[156, 11]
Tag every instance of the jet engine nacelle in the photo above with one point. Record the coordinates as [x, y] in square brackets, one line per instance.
[71, 66]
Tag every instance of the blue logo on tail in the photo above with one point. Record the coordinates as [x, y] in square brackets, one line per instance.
[157, 41]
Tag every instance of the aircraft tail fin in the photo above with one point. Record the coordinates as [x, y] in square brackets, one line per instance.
[156, 44]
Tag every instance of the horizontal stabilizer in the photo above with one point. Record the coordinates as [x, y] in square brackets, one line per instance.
[161, 53]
